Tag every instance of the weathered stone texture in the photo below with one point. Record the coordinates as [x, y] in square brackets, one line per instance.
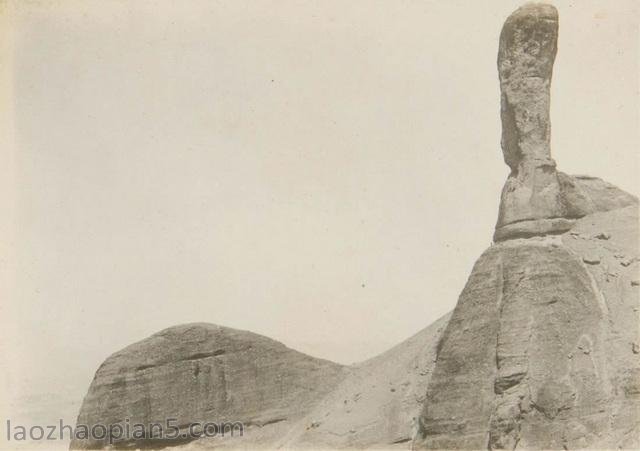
[541, 351]
[378, 404]
[537, 353]
[535, 192]
[204, 372]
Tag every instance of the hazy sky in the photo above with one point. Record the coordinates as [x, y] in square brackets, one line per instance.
[323, 172]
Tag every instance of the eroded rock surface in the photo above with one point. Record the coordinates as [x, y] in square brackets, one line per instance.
[204, 372]
[542, 350]
[285, 399]
[378, 404]
[600, 195]
[539, 352]
[375, 406]
[536, 198]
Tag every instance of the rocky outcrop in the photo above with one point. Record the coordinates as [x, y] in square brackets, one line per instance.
[375, 406]
[539, 352]
[203, 372]
[536, 198]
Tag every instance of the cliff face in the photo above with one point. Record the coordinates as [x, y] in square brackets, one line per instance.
[203, 372]
[541, 350]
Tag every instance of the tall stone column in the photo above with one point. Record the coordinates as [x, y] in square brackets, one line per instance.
[536, 199]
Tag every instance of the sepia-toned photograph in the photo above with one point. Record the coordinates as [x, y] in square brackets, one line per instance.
[319, 225]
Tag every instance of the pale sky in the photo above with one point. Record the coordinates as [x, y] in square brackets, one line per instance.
[324, 173]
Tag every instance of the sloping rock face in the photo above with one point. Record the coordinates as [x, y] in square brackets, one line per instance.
[375, 406]
[203, 372]
[603, 195]
[378, 404]
[542, 348]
